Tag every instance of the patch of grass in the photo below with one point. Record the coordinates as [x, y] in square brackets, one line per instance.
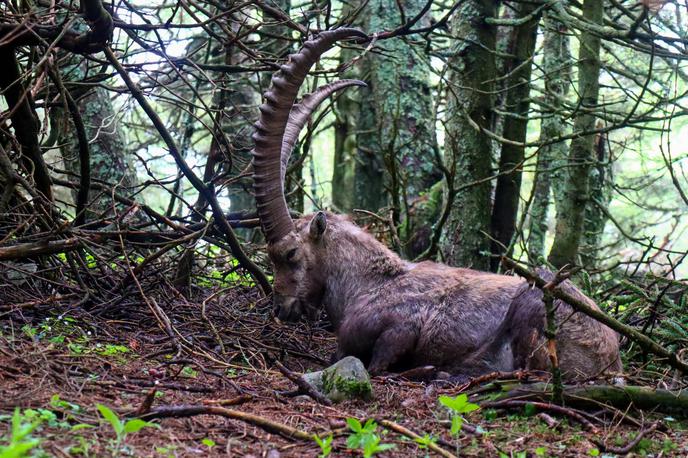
[111, 350]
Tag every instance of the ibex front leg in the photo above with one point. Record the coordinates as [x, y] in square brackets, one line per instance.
[391, 346]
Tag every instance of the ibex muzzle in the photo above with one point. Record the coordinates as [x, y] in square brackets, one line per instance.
[391, 313]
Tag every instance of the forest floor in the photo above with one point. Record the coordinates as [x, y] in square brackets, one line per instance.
[58, 362]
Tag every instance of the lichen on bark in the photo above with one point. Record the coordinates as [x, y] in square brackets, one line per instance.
[110, 161]
[551, 158]
[469, 150]
[571, 212]
[393, 162]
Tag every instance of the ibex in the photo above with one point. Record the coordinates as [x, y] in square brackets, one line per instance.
[391, 313]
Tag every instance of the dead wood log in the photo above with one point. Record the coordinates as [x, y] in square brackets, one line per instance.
[620, 397]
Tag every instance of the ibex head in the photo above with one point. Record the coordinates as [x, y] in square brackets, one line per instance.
[294, 249]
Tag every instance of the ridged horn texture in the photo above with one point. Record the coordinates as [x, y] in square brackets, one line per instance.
[280, 123]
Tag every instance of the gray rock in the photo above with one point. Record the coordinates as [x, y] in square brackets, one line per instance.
[345, 379]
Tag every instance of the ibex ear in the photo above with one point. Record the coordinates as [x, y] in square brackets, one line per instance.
[318, 226]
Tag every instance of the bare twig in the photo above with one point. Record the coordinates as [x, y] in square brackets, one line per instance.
[629, 446]
[571, 413]
[303, 385]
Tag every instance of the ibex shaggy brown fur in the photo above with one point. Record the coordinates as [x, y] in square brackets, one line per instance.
[391, 313]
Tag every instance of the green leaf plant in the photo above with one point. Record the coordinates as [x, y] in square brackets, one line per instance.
[120, 427]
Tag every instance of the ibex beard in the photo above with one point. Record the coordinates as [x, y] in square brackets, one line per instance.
[391, 313]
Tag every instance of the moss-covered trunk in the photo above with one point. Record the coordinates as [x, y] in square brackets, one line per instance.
[241, 102]
[556, 66]
[571, 214]
[403, 107]
[345, 138]
[469, 150]
[368, 186]
[600, 195]
[385, 141]
[109, 160]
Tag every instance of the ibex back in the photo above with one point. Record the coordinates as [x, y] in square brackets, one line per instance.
[391, 313]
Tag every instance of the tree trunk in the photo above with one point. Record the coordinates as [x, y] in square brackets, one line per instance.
[368, 185]
[25, 121]
[551, 159]
[520, 47]
[241, 101]
[384, 138]
[345, 125]
[469, 150]
[109, 159]
[405, 130]
[600, 196]
[571, 215]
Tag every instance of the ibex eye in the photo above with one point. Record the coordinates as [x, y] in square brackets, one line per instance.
[290, 254]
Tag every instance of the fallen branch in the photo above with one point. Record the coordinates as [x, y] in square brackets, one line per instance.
[641, 339]
[27, 250]
[155, 384]
[411, 435]
[270, 426]
[498, 375]
[242, 398]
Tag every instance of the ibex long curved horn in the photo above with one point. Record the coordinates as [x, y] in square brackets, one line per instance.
[280, 123]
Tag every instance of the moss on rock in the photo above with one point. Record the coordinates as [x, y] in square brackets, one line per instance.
[346, 379]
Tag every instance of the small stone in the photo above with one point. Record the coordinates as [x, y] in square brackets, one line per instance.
[345, 379]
